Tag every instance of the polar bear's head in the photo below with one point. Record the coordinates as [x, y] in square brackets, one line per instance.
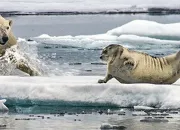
[4, 34]
[5, 29]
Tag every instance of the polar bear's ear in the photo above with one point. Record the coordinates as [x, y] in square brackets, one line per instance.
[10, 22]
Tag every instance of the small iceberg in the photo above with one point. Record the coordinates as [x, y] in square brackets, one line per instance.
[147, 28]
[151, 119]
[106, 126]
[139, 113]
[122, 112]
[143, 108]
[2, 106]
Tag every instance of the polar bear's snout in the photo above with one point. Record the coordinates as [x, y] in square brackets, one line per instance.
[5, 39]
[3, 34]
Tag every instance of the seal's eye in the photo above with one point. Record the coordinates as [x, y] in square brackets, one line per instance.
[7, 28]
[105, 51]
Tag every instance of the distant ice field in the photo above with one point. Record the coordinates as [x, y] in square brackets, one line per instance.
[85, 6]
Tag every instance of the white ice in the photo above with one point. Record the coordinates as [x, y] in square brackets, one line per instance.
[2, 106]
[107, 126]
[139, 113]
[142, 108]
[83, 41]
[147, 28]
[86, 89]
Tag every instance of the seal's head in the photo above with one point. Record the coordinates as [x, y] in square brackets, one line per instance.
[110, 52]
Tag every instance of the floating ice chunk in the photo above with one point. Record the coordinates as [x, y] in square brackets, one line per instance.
[139, 113]
[105, 126]
[147, 28]
[121, 112]
[154, 120]
[101, 40]
[142, 108]
[158, 114]
[109, 112]
[142, 39]
[82, 41]
[2, 106]
[173, 112]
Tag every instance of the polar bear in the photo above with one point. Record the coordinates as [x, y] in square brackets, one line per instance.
[11, 40]
[7, 47]
[128, 66]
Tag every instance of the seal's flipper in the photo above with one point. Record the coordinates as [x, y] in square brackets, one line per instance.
[130, 64]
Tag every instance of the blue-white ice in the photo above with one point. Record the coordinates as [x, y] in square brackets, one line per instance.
[85, 89]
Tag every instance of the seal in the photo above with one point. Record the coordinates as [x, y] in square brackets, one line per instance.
[128, 66]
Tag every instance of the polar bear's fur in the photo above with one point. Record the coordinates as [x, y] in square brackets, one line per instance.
[20, 61]
[129, 66]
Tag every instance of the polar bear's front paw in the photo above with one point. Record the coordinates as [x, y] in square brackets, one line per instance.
[101, 81]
